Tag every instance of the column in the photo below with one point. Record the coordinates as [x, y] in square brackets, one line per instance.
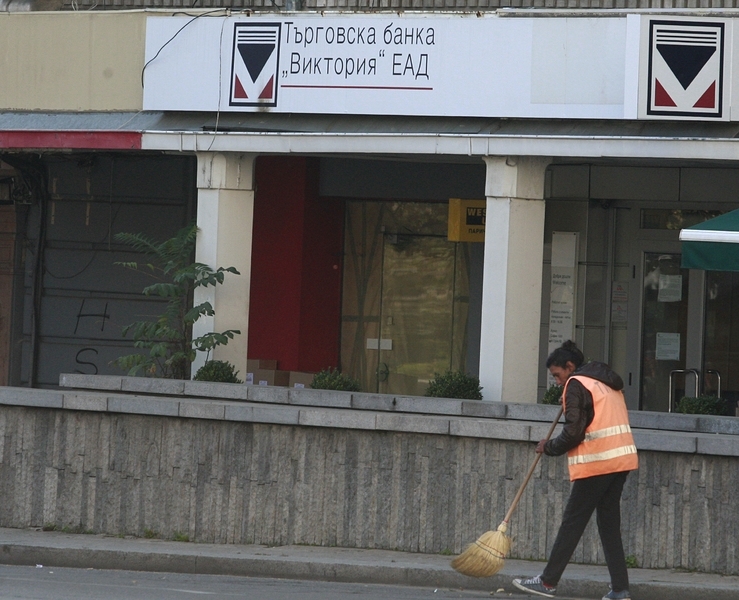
[225, 221]
[512, 278]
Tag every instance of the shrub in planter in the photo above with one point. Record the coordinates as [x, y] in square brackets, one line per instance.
[333, 379]
[454, 384]
[702, 405]
[553, 394]
[218, 370]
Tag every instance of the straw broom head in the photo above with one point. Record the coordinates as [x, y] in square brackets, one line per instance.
[485, 556]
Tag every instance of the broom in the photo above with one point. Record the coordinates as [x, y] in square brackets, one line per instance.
[486, 556]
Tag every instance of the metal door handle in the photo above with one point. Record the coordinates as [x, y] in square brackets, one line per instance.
[695, 374]
[718, 379]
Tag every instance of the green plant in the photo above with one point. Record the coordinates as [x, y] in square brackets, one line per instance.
[631, 562]
[454, 384]
[333, 379]
[702, 405]
[218, 370]
[150, 534]
[180, 537]
[553, 395]
[166, 340]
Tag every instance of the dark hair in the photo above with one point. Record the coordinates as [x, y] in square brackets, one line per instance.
[567, 352]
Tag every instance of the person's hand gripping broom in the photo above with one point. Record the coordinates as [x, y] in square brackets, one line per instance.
[486, 556]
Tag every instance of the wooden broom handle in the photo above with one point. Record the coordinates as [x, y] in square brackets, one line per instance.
[531, 471]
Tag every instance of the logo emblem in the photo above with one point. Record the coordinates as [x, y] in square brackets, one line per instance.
[255, 64]
[686, 64]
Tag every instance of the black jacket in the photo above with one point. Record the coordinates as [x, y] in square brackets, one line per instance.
[579, 407]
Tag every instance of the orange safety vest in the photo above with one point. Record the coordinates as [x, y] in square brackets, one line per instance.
[608, 446]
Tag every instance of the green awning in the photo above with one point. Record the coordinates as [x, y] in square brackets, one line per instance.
[712, 245]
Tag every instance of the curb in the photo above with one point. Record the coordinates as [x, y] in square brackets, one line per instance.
[353, 566]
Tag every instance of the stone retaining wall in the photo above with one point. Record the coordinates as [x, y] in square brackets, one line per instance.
[243, 464]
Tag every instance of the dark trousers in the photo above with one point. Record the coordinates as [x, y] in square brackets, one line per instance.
[603, 495]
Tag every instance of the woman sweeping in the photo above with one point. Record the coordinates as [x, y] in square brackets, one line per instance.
[600, 453]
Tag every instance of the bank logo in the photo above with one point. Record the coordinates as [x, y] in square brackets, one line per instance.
[255, 64]
[686, 64]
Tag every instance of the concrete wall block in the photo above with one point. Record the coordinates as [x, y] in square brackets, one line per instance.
[719, 446]
[153, 385]
[485, 410]
[203, 409]
[437, 406]
[94, 402]
[668, 421]
[412, 423]
[31, 397]
[325, 398]
[239, 412]
[532, 412]
[373, 402]
[499, 430]
[211, 389]
[539, 431]
[143, 405]
[267, 393]
[665, 442]
[713, 424]
[90, 382]
[279, 415]
[345, 419]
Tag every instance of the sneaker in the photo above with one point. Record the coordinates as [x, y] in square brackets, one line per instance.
[624, 595]
[536, 586]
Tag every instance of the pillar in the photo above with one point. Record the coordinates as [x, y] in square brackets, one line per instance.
[512, 278]
[225, 221]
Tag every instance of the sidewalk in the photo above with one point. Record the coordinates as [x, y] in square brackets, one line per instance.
[31, 547]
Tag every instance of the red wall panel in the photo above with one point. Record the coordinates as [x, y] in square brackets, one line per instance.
[295, 305]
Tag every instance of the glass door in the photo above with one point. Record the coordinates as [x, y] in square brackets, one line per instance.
[405, 296]
[417, 312]
[721, 336]
[664, 327]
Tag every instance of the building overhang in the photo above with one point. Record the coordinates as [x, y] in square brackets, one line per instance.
[369, 136]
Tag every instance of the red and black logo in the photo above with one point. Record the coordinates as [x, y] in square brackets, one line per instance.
[255, 64]
[686, 64]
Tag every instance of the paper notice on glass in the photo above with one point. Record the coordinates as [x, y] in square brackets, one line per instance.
[619, 302]
[668, 346]
[670, 288]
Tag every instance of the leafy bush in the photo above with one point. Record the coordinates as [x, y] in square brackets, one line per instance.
[702, 405]
[333, 379]
[553, 394]
[218, 370]
[454, 384]
[166, 340]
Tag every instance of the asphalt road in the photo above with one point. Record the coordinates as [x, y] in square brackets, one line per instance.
[51, 583]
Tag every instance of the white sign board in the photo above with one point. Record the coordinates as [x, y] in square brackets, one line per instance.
[391, 64]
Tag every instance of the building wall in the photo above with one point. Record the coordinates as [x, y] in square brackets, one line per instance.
[71, 61]
[437, 5]
[253, 464]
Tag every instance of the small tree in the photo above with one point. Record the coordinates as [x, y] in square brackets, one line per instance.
[166, 340]
[333, 379]
[454, 384]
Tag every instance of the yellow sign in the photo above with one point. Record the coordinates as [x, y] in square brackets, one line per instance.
[466, 220]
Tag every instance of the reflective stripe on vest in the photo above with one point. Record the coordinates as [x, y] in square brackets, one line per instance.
[608, 446]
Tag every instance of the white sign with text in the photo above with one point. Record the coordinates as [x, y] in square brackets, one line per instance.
[389, 64]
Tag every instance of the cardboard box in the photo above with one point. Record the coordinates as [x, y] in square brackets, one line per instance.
[252, 364]
[299, 379]
[271, 377]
